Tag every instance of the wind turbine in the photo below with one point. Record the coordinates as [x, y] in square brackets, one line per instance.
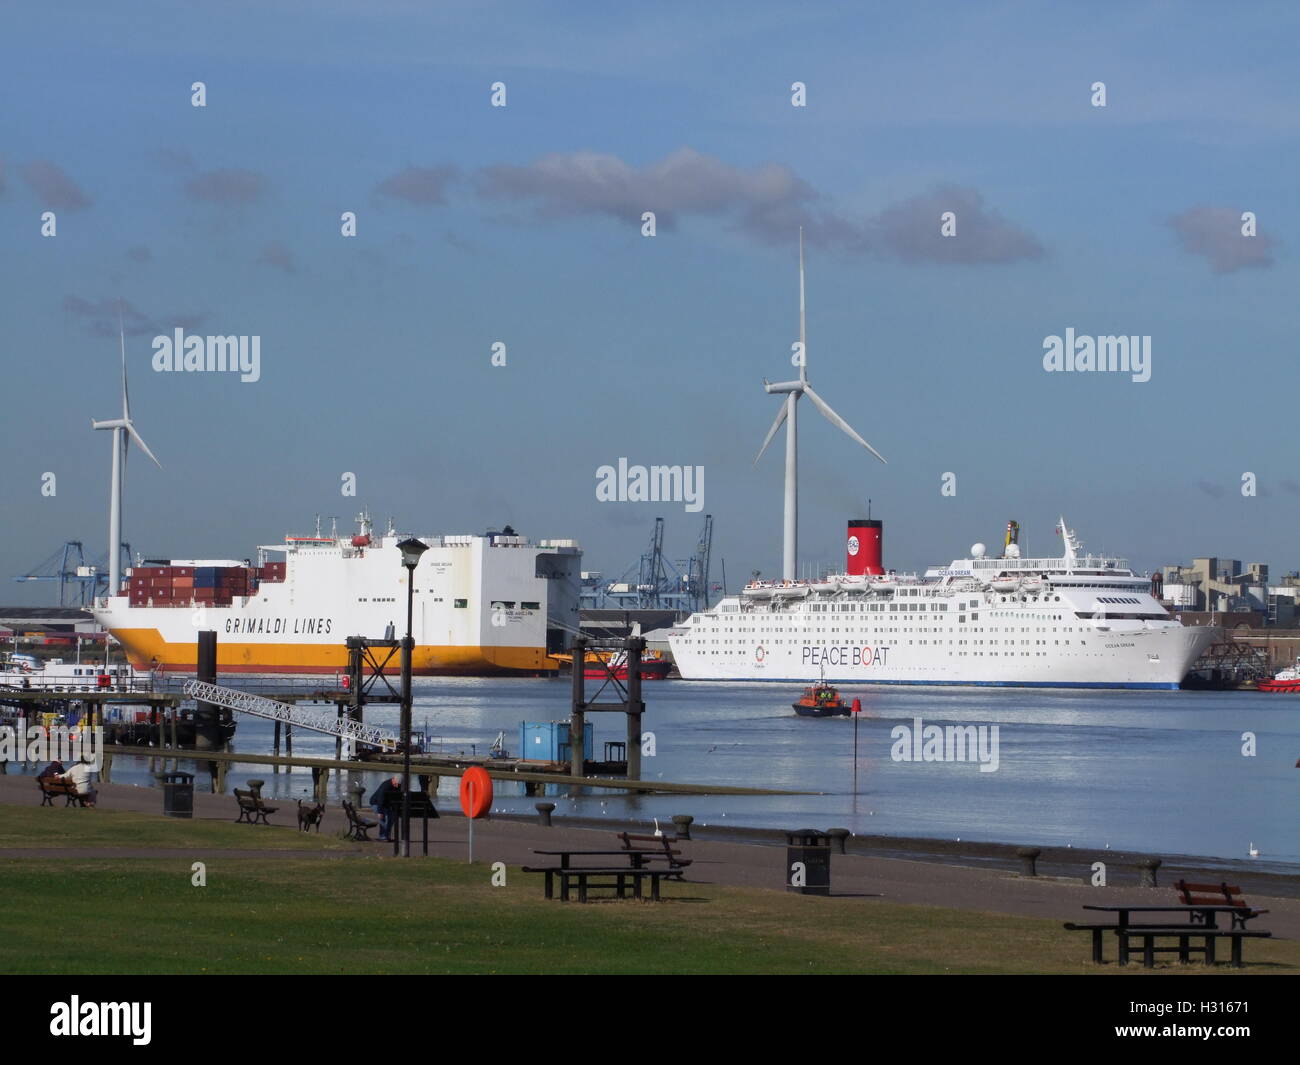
[123, 433]
[792, 390]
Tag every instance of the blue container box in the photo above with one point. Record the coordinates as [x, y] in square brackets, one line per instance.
[548, 741]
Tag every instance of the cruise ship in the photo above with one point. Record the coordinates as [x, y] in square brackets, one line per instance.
[1074, 621]
[483, 604]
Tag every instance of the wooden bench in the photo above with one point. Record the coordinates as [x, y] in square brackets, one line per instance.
[358, 827]
[1217, 894]
[252, 809]
[594, 877]
[52, 786]
[650, 848]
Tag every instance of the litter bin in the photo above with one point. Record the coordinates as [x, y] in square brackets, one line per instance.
[808, 862]
[178, 794]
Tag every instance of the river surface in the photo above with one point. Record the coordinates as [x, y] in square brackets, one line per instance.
[1160, 772]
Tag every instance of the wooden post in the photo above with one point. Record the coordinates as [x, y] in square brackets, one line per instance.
[635, 707]
[320, 779]
[275, 748]
[577, 713]
[105, 766]
[288, 738]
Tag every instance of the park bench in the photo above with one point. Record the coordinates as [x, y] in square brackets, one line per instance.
[52, 786]
[251, 807]
[649, 848]
[358, 827]
[1222, 894]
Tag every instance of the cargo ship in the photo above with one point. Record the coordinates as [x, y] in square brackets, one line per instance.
[1071, 621]
[484, 605]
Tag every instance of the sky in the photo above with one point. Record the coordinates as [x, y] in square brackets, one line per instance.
[522, 225]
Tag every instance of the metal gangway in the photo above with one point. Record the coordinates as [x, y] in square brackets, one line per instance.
[274, 710]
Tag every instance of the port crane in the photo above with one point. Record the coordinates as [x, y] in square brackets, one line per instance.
[655, 581]
[68, 566]
[274, 710]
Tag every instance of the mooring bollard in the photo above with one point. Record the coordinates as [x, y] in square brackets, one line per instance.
[1147, 872]
[358, 793]
[1028, 860]
[544, 812]
[682, 825]
[839, 835]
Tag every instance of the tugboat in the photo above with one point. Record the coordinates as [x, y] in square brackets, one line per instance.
[1286, 681]
[821, 700]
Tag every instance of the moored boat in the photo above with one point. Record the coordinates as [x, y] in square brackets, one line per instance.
[1286, 681]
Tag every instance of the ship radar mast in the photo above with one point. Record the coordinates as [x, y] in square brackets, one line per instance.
[1072, 543]
[364, 526]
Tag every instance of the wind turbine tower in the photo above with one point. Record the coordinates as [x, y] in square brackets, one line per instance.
[792, 390]
[123, 433]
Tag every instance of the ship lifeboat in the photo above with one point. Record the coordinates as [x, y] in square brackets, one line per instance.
[827, 587]
[791, 591]
[757, 591]
[1033, 585]
[855, 583]
[884, 584]
[1005, 584]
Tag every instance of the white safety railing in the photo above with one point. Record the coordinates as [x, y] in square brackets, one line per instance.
[274, 710]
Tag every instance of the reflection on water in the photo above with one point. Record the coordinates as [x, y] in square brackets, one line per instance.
[1153, 771]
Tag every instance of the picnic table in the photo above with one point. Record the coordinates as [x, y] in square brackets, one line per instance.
[1201, 923]
[606, 875]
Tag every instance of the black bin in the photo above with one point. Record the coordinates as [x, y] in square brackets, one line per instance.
[813, 850]
[178, 794]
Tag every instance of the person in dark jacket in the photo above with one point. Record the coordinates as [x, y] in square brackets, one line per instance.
[385, 806]
[54, 769]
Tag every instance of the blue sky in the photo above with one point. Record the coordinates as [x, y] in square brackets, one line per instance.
[521, 225]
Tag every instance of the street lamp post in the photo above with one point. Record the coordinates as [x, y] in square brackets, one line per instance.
[411, 550]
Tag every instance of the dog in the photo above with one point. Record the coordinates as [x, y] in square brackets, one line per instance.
[310, 815]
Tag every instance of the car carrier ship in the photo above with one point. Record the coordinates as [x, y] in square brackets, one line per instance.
[483, 604]
[1073, 621]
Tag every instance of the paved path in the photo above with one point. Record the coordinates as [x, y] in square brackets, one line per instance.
[745, 864]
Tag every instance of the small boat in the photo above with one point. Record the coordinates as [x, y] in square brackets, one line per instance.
[1286, 681]
[821, 700]
[1005, 584]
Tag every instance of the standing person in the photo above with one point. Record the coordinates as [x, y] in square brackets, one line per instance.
[79, 776]
[384, 803]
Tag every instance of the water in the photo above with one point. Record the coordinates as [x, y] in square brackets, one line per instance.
[1159, 772]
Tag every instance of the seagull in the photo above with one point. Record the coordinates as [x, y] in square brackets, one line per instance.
[658, 831]
[1254, 851]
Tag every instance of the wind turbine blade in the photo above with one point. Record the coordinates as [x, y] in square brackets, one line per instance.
[121, 337]
[839, 422]
[141, 444]
[803, 333]
[780, 417]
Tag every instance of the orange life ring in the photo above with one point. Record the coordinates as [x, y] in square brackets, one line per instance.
[475, 792]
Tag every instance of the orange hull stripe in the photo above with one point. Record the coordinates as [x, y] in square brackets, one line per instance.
[145, 645]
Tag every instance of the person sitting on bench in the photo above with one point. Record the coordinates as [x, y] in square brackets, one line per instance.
[54, 769]
[79, 777]
[380, 803]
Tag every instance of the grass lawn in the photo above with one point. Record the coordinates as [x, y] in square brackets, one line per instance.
[371, 915]
[52, 827]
